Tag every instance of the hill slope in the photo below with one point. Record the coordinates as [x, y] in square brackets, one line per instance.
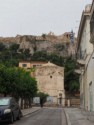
[49, 43]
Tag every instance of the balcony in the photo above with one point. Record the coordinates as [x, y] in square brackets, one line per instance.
[81, 61]
[78, 71]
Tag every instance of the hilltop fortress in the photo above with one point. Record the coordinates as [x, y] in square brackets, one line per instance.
[50, 43]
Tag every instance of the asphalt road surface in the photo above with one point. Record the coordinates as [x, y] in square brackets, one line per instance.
[46, 116]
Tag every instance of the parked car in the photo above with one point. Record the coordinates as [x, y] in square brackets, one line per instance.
[9, 109]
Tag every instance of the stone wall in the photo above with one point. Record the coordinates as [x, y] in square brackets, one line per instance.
[50, 79]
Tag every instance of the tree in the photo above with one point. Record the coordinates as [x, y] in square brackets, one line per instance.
[44, 36]
[71, 79]
[39, 56]
[14, 47]
[17, 82]
[43, 97]
[2, 47]
[27, 55]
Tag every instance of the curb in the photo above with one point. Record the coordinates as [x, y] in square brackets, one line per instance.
[67, 117]
[31, 112]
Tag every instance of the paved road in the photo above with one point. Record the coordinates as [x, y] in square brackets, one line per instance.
[47, 116]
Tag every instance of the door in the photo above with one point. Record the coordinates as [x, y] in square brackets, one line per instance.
[91, 96]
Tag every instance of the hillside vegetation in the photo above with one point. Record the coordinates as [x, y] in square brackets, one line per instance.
[10, 57]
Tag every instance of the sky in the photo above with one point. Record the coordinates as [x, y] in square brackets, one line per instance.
[35, 17]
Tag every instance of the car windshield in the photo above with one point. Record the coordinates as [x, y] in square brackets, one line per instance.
[4, 102]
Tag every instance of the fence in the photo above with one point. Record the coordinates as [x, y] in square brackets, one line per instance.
[71, 102]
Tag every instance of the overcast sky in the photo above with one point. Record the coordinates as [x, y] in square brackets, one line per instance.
[34, 17]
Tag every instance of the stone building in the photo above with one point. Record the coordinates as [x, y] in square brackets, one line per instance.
[30, 64]
[50, 79]
[27, 65]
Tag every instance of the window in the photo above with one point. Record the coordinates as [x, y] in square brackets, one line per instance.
[60, 94]
[50, 76]
[34, 66]
[24, 65]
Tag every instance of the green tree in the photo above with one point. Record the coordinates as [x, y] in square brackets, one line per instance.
[44, 36]
[43, 97]
[2, 47]
[71, 79]
[39, 56]
[17, 82]
[14, 47]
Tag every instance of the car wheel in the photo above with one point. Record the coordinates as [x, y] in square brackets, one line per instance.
[12, 119]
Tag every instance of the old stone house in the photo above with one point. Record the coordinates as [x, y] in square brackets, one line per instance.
[50, 79]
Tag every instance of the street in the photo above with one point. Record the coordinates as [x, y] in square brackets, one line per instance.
[46, 116]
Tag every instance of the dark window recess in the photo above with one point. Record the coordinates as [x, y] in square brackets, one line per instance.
[24, 65]
[50, 76]
[60, 94]
[28, 68]
[34, 66]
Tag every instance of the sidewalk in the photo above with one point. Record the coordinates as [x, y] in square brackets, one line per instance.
[75, 116]
[30, 110]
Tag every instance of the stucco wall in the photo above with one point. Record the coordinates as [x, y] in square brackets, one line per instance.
[28, 65]
[50, 80]
[90, 79]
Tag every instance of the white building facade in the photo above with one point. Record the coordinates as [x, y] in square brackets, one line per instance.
[84, 51]
[91, 63]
